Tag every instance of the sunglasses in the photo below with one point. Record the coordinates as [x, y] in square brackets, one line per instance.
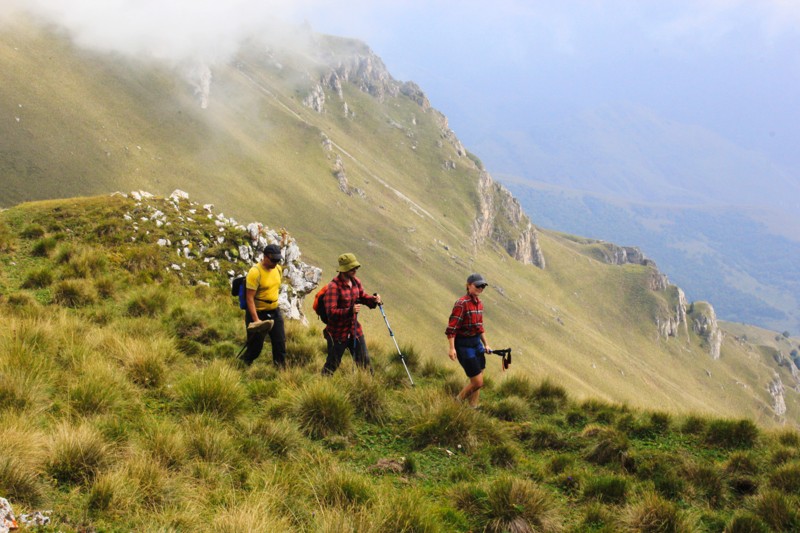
[481, 286]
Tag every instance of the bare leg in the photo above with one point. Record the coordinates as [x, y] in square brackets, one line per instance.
[471, 392]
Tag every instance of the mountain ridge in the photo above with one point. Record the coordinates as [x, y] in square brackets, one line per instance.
[384, 178]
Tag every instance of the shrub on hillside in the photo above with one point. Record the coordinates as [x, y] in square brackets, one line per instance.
[731, 433]
[789, 437]
[665, 470]
[410, 355]
[321, 410]
[433, 369]
[694, 425]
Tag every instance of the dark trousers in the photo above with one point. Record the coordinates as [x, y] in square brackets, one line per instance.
[277, 337]
[358, 350]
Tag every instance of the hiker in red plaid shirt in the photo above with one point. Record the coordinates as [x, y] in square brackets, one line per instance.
[467, 338]
[342, 302]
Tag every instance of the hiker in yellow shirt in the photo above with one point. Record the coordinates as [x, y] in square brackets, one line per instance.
[263, 316]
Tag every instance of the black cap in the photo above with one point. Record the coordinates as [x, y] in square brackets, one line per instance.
[273, 251]
[476, 279]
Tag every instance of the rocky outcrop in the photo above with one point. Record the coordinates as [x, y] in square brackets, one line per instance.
[777, 394]
[670, 325]
[244, 244]
[704, 324]
[500, 219]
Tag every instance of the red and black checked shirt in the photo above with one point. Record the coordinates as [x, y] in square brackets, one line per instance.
[466, 320]
[339, 301]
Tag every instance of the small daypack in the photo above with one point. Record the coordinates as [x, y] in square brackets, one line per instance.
[238, 289]
[319, 304]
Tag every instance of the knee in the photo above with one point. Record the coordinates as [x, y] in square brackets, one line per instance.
[477, 382]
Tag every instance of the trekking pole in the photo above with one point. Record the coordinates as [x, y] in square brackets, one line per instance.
[391, 334]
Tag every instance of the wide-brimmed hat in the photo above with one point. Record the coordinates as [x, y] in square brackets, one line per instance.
[347, 262]
[476, 279]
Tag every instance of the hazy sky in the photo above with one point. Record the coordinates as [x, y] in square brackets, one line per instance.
[730, 65]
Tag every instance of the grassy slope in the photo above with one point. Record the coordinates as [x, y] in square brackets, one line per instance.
[124, 410]
[257, 153]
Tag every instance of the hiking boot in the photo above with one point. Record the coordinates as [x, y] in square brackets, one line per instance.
[260, 326]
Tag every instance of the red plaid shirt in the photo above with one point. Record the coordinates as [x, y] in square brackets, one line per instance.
[339, 301]
[466, 320]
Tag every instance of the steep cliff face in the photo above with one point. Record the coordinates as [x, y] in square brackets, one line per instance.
[704, 323]
[499, 218]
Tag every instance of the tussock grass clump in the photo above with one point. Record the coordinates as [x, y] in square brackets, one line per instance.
[606, 489]
[76, 454]
[509, 504]
[322, 410]
[19, 482]
[694, 425]
[97, 390]
[20, 390]
[789, 437]
[32, 231]
[215, 390]
[442, 421]
[654, 514]
[411, 356]
[776, 510]
[38, 278]
[257, 513]
[165, 441]
[786, 478]
[367, 395]
[149, 482]
[146, 369]
[608, 445]
[44, 247]
[150, 302]
[745, 522]
[730, 434]
[433, 369]
[302, 351]
[207, 440]
[342, 488]
[664, 470]
[510, 409]
[544, 437]
[516, 385]
[707, 482]
[141, 259]
[74, 293]
[85, 263]
[270, 438]
[404, 512]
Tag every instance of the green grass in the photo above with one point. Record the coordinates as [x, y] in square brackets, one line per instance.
[121, 406]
